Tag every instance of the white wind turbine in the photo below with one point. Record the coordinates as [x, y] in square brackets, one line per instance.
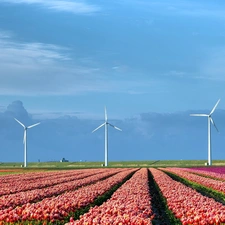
[106, 123]
[25, 139]
[210, 120]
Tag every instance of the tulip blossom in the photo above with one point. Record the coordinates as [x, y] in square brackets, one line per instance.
[187, 204]
[130, 204]
[57, 208]
[204, 181]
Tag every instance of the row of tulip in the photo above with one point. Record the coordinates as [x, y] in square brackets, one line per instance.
[187, 204]
[21, 179]
[215, 169]
[204, 181]
[57, 208]
[35, 195]
[33, 176]
[27, 175]
[214, 173]
[15, 186]
[130, 204]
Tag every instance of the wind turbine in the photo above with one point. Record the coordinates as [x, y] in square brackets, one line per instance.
[25, 139]
[210, 120]
[106, 123]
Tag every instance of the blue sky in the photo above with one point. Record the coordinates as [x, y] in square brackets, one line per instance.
[136, 57]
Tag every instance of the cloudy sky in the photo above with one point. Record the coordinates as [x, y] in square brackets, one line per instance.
[64, 57]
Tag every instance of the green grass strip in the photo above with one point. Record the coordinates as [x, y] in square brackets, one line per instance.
[163, 215]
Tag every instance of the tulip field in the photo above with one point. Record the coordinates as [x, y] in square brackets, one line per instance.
[105, 196]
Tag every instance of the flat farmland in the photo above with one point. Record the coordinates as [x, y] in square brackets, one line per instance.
[124, 195]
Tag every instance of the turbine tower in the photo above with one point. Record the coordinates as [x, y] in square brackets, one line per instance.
[106, 123]
[210, 120]
[25, 139]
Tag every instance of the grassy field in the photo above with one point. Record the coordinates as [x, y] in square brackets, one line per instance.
[73, 165]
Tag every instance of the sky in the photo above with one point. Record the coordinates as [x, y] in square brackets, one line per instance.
[148, 62]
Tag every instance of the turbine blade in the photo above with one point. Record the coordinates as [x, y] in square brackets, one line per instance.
[20, 123]
[213, 124]
[106, 118]
[33, 125]
[24, 136]
[115, 127]
[98, 127]
[199, 115]
[214, 107]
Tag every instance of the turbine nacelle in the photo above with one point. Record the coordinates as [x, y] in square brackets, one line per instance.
[25, 128]
[210, 120]
[209, 115]
[106, 123]
[25, 139]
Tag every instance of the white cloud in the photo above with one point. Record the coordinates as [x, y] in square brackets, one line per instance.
[175, 73]
[46, 69]
[43, 115]
[5, 34]
[53, 115]
[182, 7]
[77, 7]
[212, 67]
[38, 68]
